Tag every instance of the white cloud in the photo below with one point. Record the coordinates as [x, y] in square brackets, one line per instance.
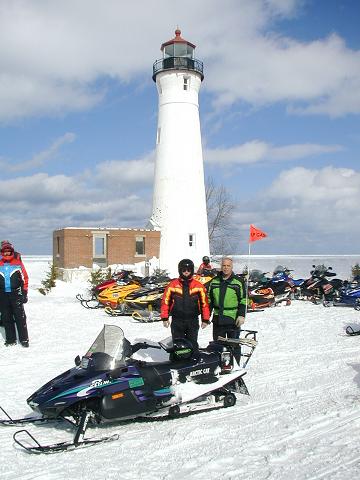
[39, 159]
[126, 172]
[38, 188]
[257, 151]
[317, 187]
[53, 54]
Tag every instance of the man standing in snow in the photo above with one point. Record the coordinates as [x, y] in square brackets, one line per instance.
[184, 300]
[13, 294]
[228, 301]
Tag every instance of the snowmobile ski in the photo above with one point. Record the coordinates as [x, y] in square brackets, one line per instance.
[350, 331]
[146, 316]
[9, 421]
[117, 312]
[32, 445]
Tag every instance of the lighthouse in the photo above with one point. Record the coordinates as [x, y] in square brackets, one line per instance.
[179, 201]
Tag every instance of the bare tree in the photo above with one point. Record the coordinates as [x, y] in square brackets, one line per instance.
[219, 208]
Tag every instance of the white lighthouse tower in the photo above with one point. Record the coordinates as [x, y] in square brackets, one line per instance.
[179, 203]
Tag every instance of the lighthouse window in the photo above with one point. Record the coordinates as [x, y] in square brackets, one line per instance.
[139, 246]
[186, 83]
[158, 135]
[191, 239]
[169, 51]
[180, 50]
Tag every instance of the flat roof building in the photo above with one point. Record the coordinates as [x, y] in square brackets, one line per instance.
[74, 247]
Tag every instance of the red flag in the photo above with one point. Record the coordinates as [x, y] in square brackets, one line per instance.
[256, 234]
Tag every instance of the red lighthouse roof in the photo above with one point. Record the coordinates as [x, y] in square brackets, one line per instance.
[177, 39]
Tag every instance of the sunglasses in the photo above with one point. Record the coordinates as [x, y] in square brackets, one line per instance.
[186, 270]
[7, 253]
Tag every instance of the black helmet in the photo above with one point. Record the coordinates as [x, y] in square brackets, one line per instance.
[185, 264]
[182, 349]
[206, 260]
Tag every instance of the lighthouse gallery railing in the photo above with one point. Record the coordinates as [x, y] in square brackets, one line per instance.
[178, 63]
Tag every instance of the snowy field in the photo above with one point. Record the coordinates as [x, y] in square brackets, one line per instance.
[301, 421]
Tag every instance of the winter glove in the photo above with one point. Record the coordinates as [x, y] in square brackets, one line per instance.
[239, 321]
[166, 322]
[24, 296]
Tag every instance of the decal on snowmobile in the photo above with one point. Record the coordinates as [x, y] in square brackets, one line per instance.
[201, 371]
[98, 383]
[136, 382]
[83, 390]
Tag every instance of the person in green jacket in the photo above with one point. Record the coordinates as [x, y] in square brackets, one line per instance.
[227, 298]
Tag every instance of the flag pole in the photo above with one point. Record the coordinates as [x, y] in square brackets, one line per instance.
[254, 235]
[247, 277]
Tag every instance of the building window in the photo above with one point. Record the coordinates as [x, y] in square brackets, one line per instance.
[158, 135]
[186, 83]
[58, 246]
[99, 246]
[191, 239]
[139, 246]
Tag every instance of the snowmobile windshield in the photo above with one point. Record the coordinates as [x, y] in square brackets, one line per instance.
[279, 269]
[257, 276]
[320, 270]
[109, 350]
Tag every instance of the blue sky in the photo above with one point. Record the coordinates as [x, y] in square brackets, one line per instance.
[279, 108]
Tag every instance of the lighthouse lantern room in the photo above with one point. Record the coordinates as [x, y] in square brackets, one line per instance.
[179, 203]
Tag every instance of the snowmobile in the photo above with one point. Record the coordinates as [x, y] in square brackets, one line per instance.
[114, 382]
[318, 288]
[120, 278]
[259, 295]
[145, 299]
[115, 294]
[347, 294]
[206, 276]
[282, 285]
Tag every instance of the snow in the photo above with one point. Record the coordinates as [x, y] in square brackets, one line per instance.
[301, 421]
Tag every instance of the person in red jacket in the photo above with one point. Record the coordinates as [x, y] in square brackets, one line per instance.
[206, 265]
[184, 299]
[13, 294]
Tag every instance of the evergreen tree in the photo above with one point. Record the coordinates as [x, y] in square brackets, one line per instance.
[355, 270]
[50, 280]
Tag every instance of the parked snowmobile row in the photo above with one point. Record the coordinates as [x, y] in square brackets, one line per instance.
[318, 288]
[126, 294]
[115, 381]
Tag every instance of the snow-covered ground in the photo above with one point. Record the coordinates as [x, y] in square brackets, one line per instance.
[301, 421]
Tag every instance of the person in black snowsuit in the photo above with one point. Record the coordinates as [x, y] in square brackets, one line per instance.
[184, 299]
[13, 294]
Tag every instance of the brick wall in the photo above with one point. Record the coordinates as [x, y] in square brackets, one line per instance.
[73, 247]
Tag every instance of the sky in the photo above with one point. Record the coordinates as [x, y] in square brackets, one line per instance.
[279, 112]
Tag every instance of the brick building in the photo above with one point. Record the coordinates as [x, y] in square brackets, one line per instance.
[74, 247]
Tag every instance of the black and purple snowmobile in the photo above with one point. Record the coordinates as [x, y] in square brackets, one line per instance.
[116, 380]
